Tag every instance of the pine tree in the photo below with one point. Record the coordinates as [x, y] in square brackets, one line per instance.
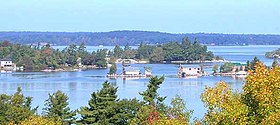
[101, 109]
[151, 96]
[275, 63]
[15, 108]
[113, 69]
[57, 107]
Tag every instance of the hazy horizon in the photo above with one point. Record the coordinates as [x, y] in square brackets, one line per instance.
[177, 16]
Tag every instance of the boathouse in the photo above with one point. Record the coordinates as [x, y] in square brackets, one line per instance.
[189, 71]
[131, 71]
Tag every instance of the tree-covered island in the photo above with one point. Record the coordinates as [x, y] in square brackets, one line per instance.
[273, 54]
[38, 57]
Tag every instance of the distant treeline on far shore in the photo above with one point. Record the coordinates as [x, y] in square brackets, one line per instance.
[135, 38]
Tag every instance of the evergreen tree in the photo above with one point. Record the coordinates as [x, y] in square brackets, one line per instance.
[118, 51]
[113, 69]
[101, 109]
[275, 63]
[253, 63]
[126, 109]
[57, 107]
[157, 56]
[15, 108]
[150, 96]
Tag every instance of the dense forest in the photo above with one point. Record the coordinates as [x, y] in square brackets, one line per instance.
[37, 57]
[185, 50]
[135, 37]
[257, 103]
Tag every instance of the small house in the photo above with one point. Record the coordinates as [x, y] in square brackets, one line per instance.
[238, 67]
[189, 71]
[6, 64]
[131, 71]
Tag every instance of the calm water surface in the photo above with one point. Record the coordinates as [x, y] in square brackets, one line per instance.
[79, 85]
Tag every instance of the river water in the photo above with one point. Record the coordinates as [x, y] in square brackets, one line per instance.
[79, 85]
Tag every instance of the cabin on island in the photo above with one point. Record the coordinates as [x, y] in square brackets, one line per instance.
[189, 71]
[6, 64]
[238, 67]
[131, 71]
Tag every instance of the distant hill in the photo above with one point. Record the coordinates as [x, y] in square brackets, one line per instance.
[135, 38]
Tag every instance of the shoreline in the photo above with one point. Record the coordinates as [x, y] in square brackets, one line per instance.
[133, 61]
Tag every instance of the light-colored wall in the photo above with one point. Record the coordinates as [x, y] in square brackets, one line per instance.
[5, 63]
[131, 72]
[192, 71]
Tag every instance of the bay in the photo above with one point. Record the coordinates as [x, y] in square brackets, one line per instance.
[79, 85]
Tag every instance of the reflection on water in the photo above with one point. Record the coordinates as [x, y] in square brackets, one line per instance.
[79, 85]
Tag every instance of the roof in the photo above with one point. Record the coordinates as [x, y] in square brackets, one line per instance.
[238, 64]
[6, 59]
[132, 69]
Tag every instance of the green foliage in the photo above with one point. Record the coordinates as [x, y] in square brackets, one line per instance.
[273, 54]
[176, 114]
[178, 109]
[172, 51]
[118, 51]
[136, 37]
[275, 63]
[57, 107]
[226, 67]
[126, 109]
[113, 69]
[215, 68]
[101, 109]
[144, 51]
[15, 108]
[251, 65]
[157, 56]
[37, 58]
[150, 96]
[100, 58]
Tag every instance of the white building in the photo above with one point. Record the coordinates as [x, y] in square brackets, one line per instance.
[189, 71]
[6, 63]
[131, 71]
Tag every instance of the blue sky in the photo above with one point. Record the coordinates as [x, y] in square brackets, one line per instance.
[174, 16]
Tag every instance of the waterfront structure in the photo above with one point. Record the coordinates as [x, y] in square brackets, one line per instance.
[238, 67]
[6, 64]
[131, 71]
[189, 71]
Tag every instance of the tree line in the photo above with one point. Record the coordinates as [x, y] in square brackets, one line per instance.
[135, 38]
[257, 103]
[249, 66]
[186, 50]
[38, 57]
